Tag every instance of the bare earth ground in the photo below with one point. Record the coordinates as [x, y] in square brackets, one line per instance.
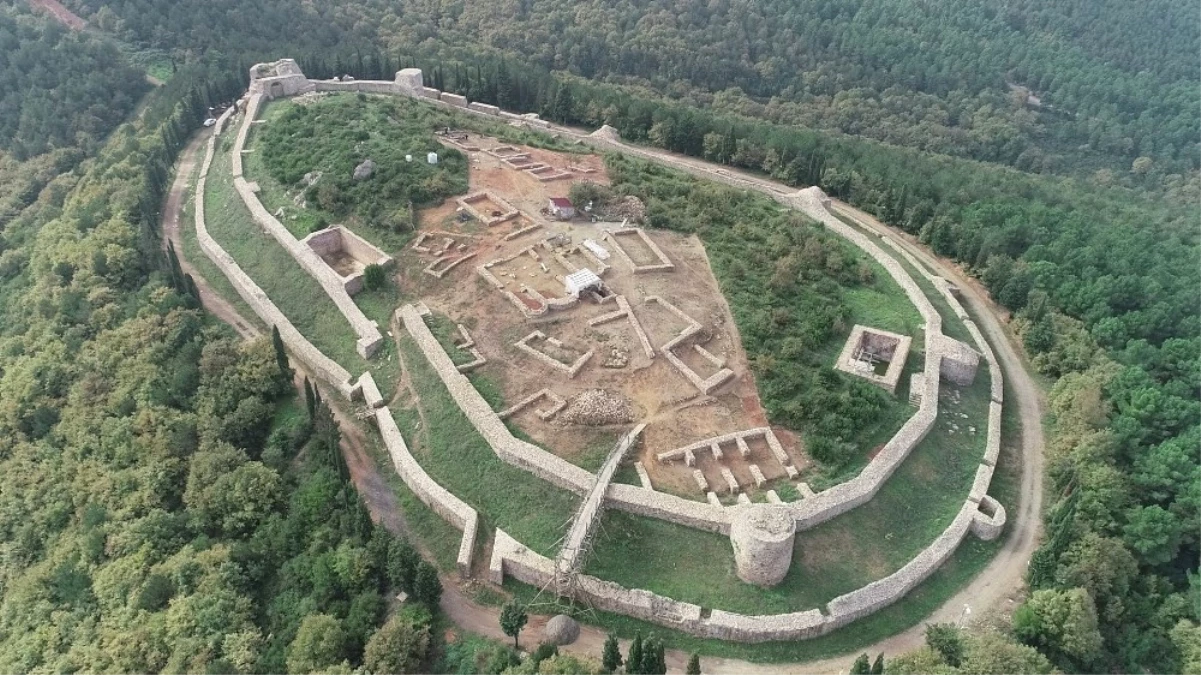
[657, 393]
[990, 593]
[60, 13]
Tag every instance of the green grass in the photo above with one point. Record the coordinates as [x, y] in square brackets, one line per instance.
[440, 537]
[882, 303]
[459, 459]
[965, 564]
[190, 251]
[299, 296]
[838, 556]
[447, 333]
[952, 325]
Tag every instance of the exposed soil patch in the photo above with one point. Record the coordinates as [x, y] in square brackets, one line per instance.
[529, 258]
[60, 13]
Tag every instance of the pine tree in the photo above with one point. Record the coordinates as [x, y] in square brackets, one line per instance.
[694, 665]
[281, 353]
[611, 655]
[861, 666]
[878, 665]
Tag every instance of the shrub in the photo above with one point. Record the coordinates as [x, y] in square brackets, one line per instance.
[374, 277]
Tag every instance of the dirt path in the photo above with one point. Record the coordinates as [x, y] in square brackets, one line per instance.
[172, 209]
[377, 495]
[992, 589]
[60, 13]
[990, 592]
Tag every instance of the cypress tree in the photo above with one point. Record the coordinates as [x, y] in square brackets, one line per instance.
[611, 655]
[634, 656]
[190, 286]
[694, 665]
[878, 665]
[426, 586]
[281, 353]
[310, 400]
[176, 270]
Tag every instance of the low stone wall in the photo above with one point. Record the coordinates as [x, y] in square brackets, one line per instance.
[298, 346]
[337, 239]
[980, 513]
[704, 385]
[433, 495]
[369, 337]
[541, 463]
[664, 263]
[510, 558]
[860, 335]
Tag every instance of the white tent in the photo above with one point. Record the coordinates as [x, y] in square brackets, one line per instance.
[580, 281]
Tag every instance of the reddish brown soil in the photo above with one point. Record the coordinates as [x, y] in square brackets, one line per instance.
[60, 13]
[676, 412]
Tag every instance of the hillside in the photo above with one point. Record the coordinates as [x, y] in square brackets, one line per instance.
[1076, 209]
[1065, 86]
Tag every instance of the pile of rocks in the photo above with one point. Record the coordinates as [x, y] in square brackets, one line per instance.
[629, 207]
[364, 171]
[597, 407]
[619, 357]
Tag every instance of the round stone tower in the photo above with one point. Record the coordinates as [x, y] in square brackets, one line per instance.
[762, 535]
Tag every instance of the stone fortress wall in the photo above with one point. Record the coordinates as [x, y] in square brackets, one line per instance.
[369, 337]
[321, 366]
[980, 514]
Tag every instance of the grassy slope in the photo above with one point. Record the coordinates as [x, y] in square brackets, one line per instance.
[298, 295]
[459, 459]
[838, 556]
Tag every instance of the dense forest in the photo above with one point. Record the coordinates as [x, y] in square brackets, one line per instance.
[1100, 270]
[59, 89]
[1046, 87]
[166, 505]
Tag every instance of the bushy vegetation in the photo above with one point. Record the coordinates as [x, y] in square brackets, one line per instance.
[1115, 80]
[59, 90]
[1102, 278]
[165, 505]
[785, 279]
[335, 135]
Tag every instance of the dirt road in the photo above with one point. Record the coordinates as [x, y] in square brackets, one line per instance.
[59, 12]
[988, 593]
[172, 209]
[995, 585]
